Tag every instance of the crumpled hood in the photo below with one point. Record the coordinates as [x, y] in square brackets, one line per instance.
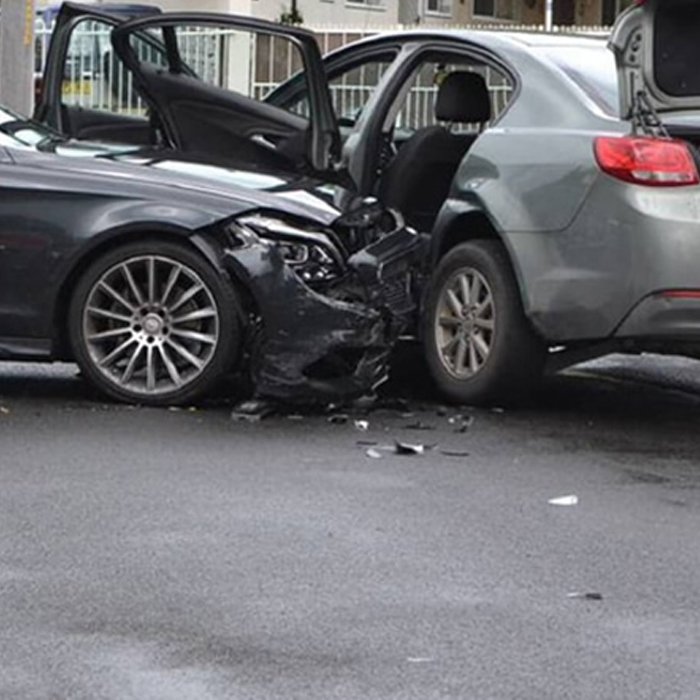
[221, 191]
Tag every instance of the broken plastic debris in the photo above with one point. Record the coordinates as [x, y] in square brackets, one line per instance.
[364, 402]
[463, 423]
[251, 411]
[374, 453]
[362, 424]
[419, 425]
[563, 501]
[585, 596]
[339, 418]
[404, 448]
[4, 410]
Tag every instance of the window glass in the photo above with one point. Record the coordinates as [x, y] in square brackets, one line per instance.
[441, 7]
[93, 76]
[350, 88]
[16, 130]
[246, 63]
[417, 110]
[500, 9]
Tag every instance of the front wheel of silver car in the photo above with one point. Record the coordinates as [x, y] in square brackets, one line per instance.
[153, 323]
[479, 346]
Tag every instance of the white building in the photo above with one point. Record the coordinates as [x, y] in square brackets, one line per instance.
[337, 13]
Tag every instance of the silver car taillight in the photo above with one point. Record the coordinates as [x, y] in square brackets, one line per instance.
[646, 160]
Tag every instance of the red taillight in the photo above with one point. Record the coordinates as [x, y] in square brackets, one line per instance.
[681, 293]
[647, 160]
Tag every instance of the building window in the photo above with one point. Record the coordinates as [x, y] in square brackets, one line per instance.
[494, 9]
[611, 9]
[485, 8]
[438, 7]
[373, 4]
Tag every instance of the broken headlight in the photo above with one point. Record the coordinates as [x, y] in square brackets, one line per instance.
[310, 253]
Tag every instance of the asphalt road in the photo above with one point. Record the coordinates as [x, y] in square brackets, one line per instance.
[181, 555]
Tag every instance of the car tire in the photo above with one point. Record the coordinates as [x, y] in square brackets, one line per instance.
[154, 323]
[478, 344]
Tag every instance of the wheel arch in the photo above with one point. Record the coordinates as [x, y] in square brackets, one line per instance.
[467, 224]
[206, 243]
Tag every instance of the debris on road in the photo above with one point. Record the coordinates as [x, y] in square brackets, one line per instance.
[419, 425]
[454, 453]
[585, 596]
[4, 410]
[404, 448]
[364, 403]
[251, 411]
[362, 425]
[338, 418]
[366, 443]
[462, 423]
[564, 501]
[374, 453]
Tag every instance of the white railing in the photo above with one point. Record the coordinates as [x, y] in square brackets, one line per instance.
[95, 80]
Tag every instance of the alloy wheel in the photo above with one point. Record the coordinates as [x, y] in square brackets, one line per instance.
[150, 325]
[465, 323]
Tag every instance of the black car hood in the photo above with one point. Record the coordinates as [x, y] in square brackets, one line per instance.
[161, 175]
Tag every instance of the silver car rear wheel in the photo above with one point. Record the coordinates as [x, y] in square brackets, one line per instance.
[478, 344]
[465, 322]
[153, 324]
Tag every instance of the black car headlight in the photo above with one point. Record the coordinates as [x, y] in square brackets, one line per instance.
[310, 253]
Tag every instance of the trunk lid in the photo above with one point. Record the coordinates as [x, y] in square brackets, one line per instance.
[657, 52]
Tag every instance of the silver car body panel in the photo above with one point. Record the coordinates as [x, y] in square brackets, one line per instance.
[586, 248]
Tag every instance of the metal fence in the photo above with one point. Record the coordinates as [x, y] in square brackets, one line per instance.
[95, 80]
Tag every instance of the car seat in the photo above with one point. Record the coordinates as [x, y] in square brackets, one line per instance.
[417, 180]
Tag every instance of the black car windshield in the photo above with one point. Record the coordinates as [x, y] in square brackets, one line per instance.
[592, 68]
[20, 130]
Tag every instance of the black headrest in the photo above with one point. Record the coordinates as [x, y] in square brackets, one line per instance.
[463, 97]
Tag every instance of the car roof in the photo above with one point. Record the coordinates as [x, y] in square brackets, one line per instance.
[495, 38]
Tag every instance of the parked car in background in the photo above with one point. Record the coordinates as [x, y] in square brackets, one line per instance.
[159, 276]
[563, 217]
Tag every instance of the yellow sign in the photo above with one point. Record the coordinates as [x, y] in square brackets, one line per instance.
[76, 87]
[28, 22]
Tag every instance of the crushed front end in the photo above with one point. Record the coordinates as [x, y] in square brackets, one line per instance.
[328, 303]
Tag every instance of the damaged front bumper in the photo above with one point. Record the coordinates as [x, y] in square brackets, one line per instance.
[318, 342]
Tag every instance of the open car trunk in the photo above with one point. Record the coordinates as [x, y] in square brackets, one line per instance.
[657, 53]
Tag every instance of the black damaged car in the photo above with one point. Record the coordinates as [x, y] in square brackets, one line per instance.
[158, 275]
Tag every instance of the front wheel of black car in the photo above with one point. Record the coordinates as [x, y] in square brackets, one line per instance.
[479, 346]
[153, 323]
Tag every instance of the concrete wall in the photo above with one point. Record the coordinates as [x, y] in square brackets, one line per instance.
[238, 7]
[331, 12]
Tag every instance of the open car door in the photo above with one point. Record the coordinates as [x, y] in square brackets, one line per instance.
[657, 52]
[208, 98]
[86, 93]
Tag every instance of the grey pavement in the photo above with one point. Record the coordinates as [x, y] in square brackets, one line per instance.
[174, 555]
